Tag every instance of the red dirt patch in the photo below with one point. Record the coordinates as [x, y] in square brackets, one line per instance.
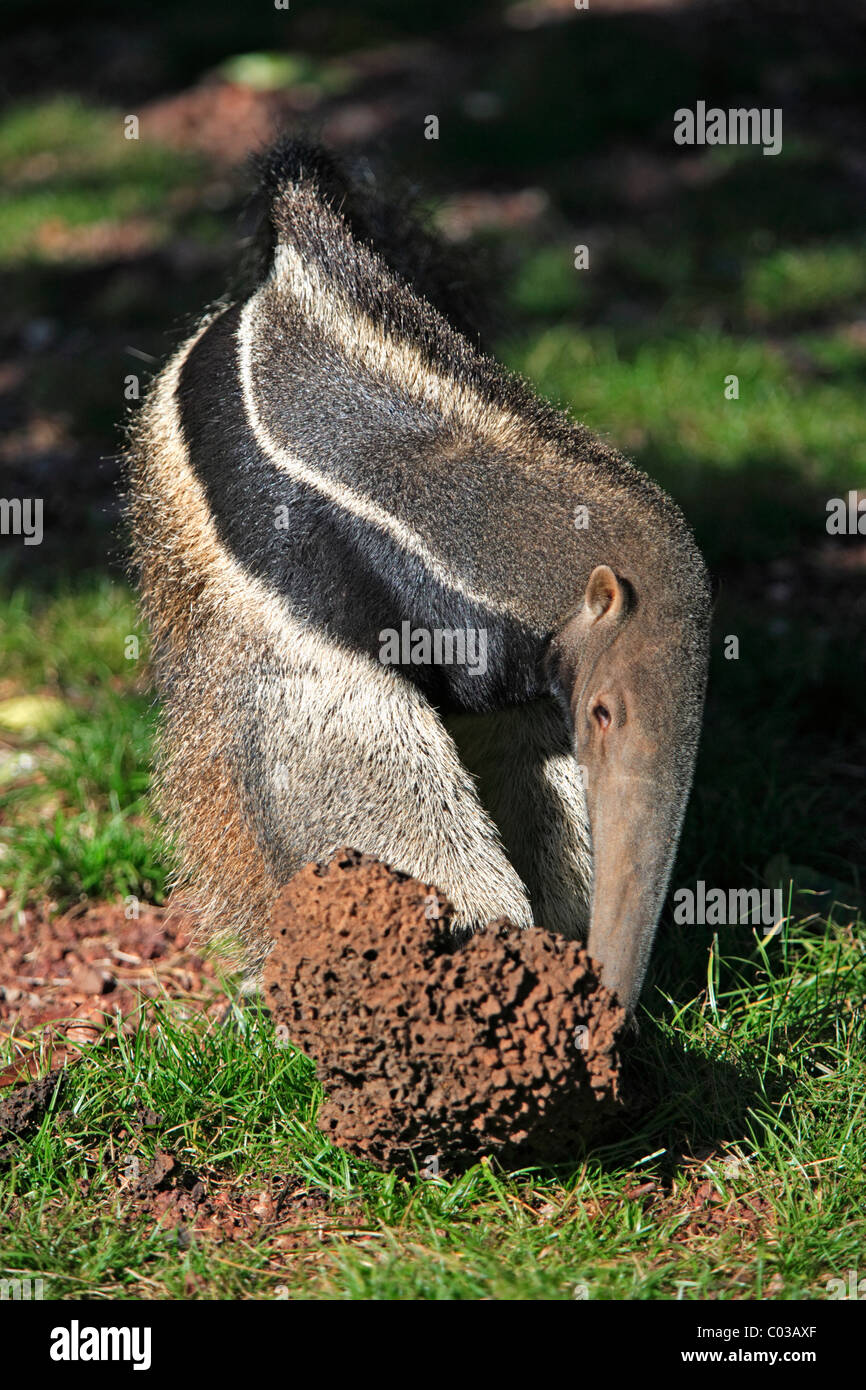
[223, 120]
[715, 1195]
[428, 1051]
[63, 979]
[210, 1205]
[706, 1210]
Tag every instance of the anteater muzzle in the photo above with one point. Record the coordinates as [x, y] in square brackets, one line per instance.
[636, 708]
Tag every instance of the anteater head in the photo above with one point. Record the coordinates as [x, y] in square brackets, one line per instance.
[632, 662]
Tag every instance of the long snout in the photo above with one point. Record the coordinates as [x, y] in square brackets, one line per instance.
[633, 844]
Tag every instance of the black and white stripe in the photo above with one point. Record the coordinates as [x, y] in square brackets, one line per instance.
[339, 571]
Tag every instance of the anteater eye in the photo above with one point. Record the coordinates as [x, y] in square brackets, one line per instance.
[601, 715]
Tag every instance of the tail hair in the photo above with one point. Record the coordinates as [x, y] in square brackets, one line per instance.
[388, 218]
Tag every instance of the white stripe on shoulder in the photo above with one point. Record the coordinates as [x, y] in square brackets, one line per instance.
[364, 341]
[345, 497]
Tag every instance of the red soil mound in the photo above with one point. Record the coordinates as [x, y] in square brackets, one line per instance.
[428, 1051]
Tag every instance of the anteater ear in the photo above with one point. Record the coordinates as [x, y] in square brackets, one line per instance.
[606, 602]
[605, 597]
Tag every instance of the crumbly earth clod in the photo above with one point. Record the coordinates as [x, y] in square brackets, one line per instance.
[433, 1054]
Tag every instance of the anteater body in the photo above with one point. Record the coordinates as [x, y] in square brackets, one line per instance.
[328, 460]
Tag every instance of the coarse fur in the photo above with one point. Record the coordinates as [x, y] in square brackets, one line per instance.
[327, 459]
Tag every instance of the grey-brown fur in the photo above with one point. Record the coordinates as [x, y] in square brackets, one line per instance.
[418, 481]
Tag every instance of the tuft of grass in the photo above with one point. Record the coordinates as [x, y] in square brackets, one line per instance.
[803, 281]
[274, 71]
[548, 284]
[74, 643]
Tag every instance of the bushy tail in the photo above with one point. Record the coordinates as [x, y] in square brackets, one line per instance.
[386, 217]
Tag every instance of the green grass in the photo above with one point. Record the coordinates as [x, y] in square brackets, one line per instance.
[70, 165]
[272, 71]
[73, 797]
[801, 282]
[667, 395]
[765, 1065]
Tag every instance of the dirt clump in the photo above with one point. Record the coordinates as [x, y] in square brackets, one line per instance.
[22, 1109]
[433, 1054]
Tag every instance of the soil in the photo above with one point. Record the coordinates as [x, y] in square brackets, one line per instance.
[176, 1197]
[432, 1054]
[23, 1108]
[64, 979]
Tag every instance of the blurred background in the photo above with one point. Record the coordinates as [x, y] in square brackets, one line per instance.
[555, 130]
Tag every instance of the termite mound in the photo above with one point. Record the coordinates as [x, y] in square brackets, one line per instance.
[433, 1054]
